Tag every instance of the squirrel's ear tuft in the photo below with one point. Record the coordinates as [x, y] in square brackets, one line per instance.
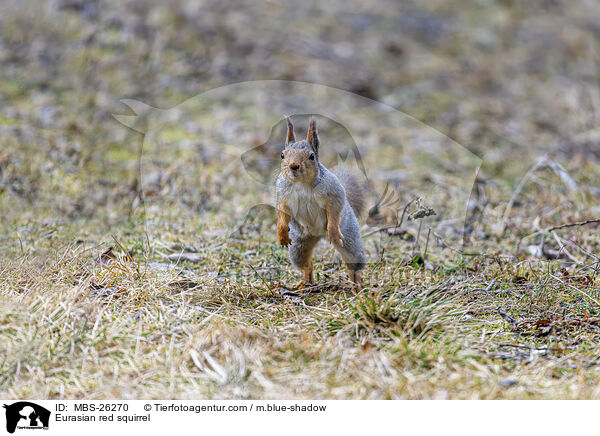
[290, 131]
[313, 135]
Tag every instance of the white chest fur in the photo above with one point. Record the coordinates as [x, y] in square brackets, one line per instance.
[306, 209]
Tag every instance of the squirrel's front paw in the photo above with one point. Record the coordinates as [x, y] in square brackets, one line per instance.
[284, 239]
[335, 236]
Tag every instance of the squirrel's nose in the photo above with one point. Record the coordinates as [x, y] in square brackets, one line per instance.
[294, 167]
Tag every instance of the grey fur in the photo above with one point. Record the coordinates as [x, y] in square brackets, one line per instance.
[309, 221]
[355, 192]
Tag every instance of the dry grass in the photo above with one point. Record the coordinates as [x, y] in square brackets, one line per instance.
[94, 325]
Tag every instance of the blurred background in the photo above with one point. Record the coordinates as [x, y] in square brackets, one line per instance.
[510, 81]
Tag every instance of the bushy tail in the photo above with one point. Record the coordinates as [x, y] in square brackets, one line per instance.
[355, 191]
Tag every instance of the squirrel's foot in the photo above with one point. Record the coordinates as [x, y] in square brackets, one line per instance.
[304, 284]
[308, 277]
[355, 278]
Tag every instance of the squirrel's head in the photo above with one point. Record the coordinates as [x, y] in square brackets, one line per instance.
[300, 159]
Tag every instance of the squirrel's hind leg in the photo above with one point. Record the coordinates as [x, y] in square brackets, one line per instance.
[355, 276]
[308, 277]
[300, 255]
[354, 264]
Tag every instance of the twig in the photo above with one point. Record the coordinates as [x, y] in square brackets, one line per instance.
[525, 347]
[563, 248]
[446, 245]
[580, 223]
[577, 289]
[508, 318]
[491, 286]
[396, 226]
[260, 276]
[380, 229]
[404, 211]
[583, 250]
[426, 244]
[417, 244]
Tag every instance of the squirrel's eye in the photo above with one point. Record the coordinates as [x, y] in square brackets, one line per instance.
[312, 156]
[282, 155]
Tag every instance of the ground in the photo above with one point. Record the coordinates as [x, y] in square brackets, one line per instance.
[129, 269]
